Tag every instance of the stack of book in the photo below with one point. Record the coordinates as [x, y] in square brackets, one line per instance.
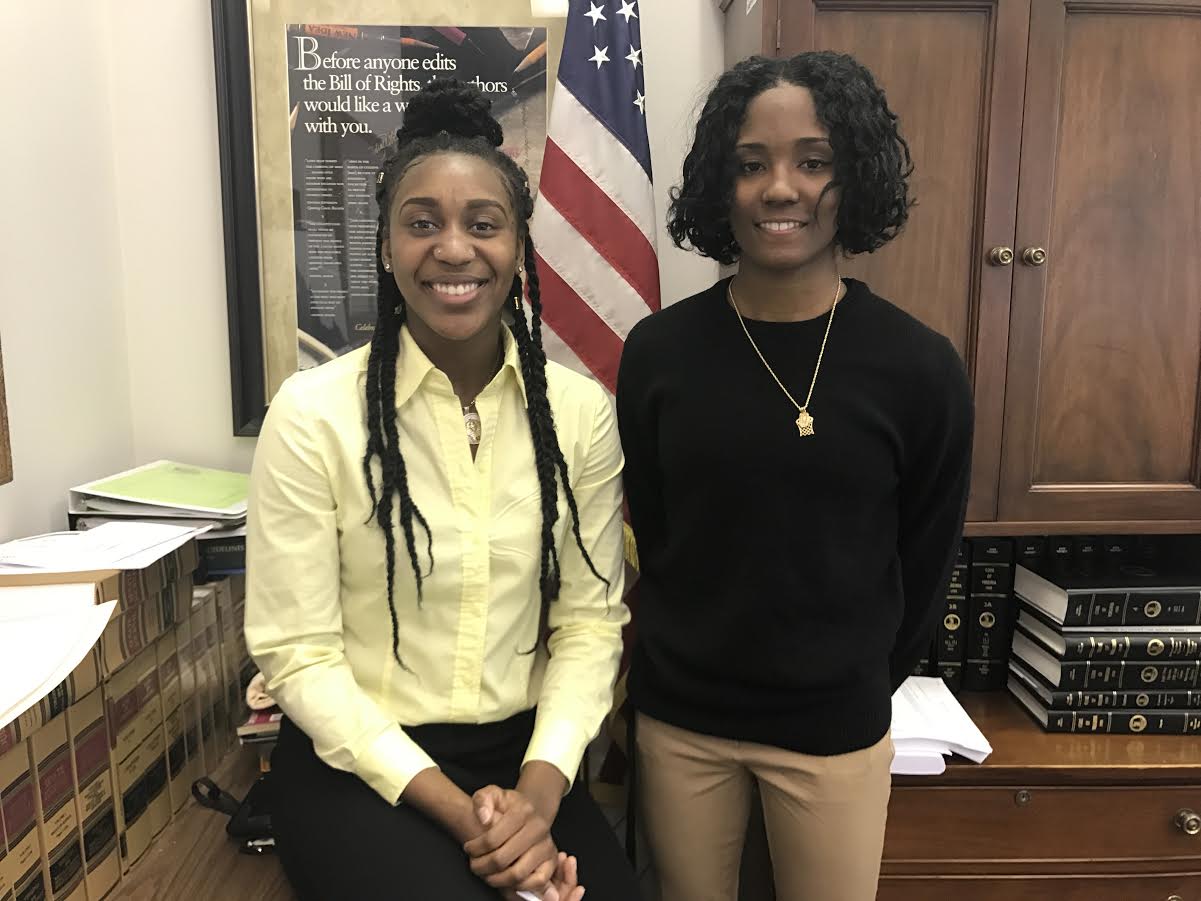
[1113, 650]
[166, 492]
[114, 677]
[261, 727]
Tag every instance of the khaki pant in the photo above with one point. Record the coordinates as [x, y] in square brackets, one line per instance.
[824, 815]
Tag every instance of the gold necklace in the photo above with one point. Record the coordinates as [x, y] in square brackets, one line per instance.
[804, 421]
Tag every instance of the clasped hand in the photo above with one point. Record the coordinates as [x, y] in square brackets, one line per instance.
[516, 852]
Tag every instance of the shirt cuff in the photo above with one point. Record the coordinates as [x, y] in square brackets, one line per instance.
[559, 742]
[390, 762]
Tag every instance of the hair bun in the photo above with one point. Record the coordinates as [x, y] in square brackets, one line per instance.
[454, 107]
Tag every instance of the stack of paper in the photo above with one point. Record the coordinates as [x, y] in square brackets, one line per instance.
[928, 723]
[45, 631]
[166, 490]
[117, 545]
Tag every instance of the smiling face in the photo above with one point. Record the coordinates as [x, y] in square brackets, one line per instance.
[778, 214]
[453, 244]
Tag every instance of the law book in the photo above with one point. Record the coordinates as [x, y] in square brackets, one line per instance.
[1059, 699]
[261, 723]
[83, 680]
[989, 606]
[1074, 645]
[58, 819]
[951, 645]
[6, 885]
[1123, 722]
[1163, 596]
[94, 794]
[189, 711]
[18, 808]
[144, 809]
[178, 783]
[1107, 675]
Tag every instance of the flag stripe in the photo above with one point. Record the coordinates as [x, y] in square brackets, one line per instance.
[579, 326]
[602, 159]
[586, 271]
[601, 222]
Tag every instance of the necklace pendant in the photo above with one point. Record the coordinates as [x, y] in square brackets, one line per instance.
[804, 424]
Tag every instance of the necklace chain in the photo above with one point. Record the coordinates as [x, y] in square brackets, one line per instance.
[804, 421]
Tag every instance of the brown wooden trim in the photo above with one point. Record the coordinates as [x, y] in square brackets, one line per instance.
[6, 452]
[1032, 867]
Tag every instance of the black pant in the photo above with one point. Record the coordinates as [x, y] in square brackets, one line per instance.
[340, 841]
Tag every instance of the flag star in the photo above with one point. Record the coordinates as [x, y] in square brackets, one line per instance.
[600, 56]
[595, 13]
[635, 56]
[627, 10]
[640, 102]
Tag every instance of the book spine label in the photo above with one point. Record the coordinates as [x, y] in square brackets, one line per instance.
[951, 650]
[1126, 722]
[1115, 700]
[990, 605]
[1135, 608]
[1132, 647]
[1128, 675]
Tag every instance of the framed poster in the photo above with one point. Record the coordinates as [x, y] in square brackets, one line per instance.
[309, 96]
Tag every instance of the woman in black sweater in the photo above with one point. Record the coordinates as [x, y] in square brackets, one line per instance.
[797, 463]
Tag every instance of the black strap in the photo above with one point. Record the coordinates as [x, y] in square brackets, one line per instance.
[209, 794]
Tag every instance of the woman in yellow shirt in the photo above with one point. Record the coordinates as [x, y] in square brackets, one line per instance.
[435, 560]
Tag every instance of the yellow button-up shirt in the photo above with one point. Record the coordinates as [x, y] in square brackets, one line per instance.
[317, 620]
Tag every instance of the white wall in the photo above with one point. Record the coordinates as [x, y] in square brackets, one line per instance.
[164, 137]
[61, 318]
[114, 313]
[683, 41]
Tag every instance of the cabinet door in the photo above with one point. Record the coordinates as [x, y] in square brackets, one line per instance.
[953, 73]
[1102, 394]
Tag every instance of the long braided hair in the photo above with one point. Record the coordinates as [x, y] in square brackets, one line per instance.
[449, 117]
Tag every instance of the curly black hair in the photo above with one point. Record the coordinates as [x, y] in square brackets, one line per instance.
[447, 116]
[871, 160]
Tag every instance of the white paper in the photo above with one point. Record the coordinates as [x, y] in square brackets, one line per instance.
[928, 722]
[114, 545]
[39, 652]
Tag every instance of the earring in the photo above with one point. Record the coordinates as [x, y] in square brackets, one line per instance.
[387, 266]
[520, 269]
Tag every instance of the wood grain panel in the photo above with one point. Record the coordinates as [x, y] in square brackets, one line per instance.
[953, 73]
[1103, 387]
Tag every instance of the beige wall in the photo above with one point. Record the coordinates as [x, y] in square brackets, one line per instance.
[61, 317]
[113, 311]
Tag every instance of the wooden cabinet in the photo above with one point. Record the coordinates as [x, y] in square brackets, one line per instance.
[1069, 133]
[1047, 817]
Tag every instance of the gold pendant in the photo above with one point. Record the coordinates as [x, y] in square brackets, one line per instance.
[804, 424]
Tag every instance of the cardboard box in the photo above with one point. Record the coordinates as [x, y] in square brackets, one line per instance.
[83, 680]
[58, 818]
[178, 783]
[18, 806]
[94, 796]
[144, 809]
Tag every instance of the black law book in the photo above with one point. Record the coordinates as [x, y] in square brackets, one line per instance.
[1057, 699]
[990, 616]
[1072, 645]
[925, 666]
[1103, 675]
[1136, 595]
[1122, 722]
[951, 645]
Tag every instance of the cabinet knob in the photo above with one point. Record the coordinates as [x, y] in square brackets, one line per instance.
[1034, 256]
[1188, 821]
[1001, 256]
[1175, 898]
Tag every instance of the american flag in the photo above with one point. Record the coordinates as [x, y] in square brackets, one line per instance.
[594, 228]
[594, 219]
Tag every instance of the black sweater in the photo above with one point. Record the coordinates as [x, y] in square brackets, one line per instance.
[789, 584]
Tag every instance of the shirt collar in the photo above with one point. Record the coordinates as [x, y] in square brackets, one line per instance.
[413, 367]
